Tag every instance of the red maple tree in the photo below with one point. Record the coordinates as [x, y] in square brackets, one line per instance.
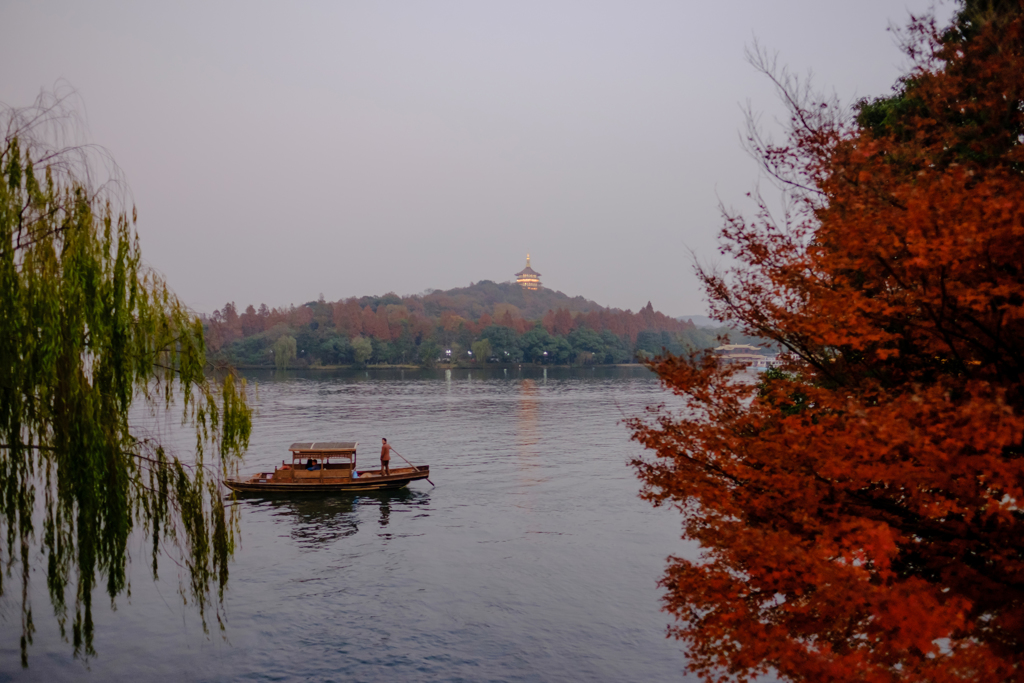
[861, 510]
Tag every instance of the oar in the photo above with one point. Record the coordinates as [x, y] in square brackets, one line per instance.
[410, 464]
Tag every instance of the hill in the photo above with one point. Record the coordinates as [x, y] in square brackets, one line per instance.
[481, 297]
[484, 322]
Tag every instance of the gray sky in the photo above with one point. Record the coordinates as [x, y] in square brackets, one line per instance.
[281, 150]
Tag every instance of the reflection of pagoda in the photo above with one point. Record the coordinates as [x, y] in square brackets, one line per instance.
[528, 278]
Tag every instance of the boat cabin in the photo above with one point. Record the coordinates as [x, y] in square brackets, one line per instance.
[312, 461]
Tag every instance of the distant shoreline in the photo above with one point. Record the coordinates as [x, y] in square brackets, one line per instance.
[494, 366]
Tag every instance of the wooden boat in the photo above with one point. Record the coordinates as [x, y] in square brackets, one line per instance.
[326, 476]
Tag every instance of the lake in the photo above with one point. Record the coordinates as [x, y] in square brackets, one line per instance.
[532, 559]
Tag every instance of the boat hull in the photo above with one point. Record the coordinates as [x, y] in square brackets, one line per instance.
[368, 481]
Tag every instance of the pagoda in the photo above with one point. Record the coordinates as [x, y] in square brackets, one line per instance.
[528, 278]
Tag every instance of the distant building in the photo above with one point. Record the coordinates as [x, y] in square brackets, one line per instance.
[528, 278]
[744, 354]
[734, 349]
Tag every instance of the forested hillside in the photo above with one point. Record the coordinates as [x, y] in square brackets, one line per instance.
[484, 322]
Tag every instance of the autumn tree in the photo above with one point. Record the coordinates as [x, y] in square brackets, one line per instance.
[348, 318]
[87, 332]
[859, 510]
[253, 322]
[558, 322]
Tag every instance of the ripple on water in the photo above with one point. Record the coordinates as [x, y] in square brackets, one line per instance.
[532, 560]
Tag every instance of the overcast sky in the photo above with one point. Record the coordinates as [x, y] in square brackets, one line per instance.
[277, 151]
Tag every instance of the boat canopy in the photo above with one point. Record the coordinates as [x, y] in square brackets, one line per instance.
[323, 449]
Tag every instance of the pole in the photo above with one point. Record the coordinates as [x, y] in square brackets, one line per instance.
[410, 464]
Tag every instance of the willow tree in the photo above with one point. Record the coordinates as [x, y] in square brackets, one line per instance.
[284, 352]
[86, 334]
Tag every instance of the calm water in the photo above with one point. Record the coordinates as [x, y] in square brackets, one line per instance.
[532, 559]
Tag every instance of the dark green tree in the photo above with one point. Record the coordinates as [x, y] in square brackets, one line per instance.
[616, 350]
[585, 340]
[336, 350]
[504, 343]
[404, 346]
[253, 350]
[382, 351]
[535, 343]
[428, 354]
[561, 350]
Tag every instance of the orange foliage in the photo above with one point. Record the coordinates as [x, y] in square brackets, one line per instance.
[558, 322]
[860, 515]
[251, 322]
[450, 322]
[348, 319]
[300, 317]
[395, 316]
[369, 324]
[421, 327]
[620, 323]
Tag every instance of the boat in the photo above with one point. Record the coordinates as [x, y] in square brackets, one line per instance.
[311, 470]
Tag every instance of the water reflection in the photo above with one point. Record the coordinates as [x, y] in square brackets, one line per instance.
[527, 436]
[526, 422]
[514, 568]
[375, 374]
[318, 520]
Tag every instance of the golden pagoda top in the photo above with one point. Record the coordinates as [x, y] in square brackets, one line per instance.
[528, 278]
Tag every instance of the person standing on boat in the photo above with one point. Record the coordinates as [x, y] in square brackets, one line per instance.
[385, 458]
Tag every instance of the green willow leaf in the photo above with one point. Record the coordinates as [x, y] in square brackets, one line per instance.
[86, 332]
